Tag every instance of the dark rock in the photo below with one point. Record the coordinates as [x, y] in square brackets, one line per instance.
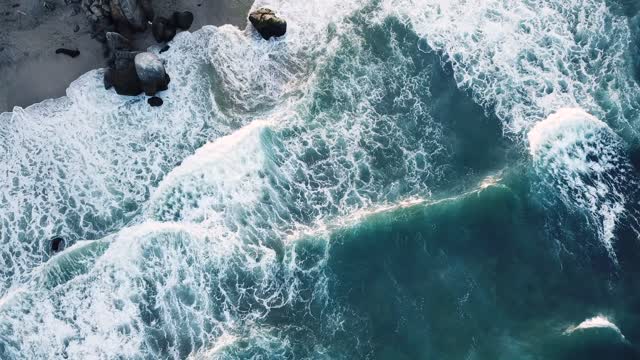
[117, 42]
[163, 30]
[76, 28]
[150, 70]
[147, 9]
[164, 48]
[155, 101]
[15, 5]
[122, 59]
[267, 23]
[182, 19]
[108, 78]
[121, 73]
[68, 52]
[128, 14]
[125, 80]
[57, 244]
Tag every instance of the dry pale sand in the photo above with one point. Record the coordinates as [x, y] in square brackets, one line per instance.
[30, 32]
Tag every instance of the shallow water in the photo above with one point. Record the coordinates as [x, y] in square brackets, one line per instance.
[390, 180]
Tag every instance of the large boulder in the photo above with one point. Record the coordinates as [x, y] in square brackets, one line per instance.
[121, 73]
[267, 23]
[124, 80]
[162, 29]
[150, 71]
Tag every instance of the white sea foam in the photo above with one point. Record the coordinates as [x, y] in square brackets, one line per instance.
[583, 162]
[526, 59]
[596, 322]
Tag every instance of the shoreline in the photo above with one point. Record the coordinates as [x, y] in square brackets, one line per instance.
[31, 71]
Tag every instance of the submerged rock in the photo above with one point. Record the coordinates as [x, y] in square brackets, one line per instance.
[57, 244]
[163, 30]
[151, 73]
[267, 23]
[182, 19]
[155, 101]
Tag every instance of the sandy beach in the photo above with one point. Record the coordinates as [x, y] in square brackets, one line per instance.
[31, 31]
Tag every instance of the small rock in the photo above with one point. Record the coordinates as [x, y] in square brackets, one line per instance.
[15, 5]
[163, 30]
[150, 70]
[68, 52]
[267, 23]
[155, 101]
[182, 19]
[76, 28]
[57, 244]
[165, 48]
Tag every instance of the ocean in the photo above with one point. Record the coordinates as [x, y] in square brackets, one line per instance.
[392, 179]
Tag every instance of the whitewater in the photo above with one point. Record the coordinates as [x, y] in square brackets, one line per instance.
[392, 179]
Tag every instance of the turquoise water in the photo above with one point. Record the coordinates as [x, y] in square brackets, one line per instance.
[391, 180]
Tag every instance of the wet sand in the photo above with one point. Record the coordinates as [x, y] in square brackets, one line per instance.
[31, 31]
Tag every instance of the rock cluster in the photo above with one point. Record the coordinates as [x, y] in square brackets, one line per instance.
[117, 15]
[267, 23]
[133, 72]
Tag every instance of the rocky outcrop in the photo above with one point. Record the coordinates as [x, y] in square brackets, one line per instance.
[150, 71]
[121, 15]
[267, 23]
[123, 79]
[121, 73]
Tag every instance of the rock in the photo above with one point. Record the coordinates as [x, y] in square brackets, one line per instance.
[150, 70]
[147, 9]
[165, 48]
[117, 42]
[121, 73]
[76, 28]
[125, 80]
[182, 19]
[163, 30]
[129, 13]
[155, 101]
[267, 23]
[68, 52]
[57, 244]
